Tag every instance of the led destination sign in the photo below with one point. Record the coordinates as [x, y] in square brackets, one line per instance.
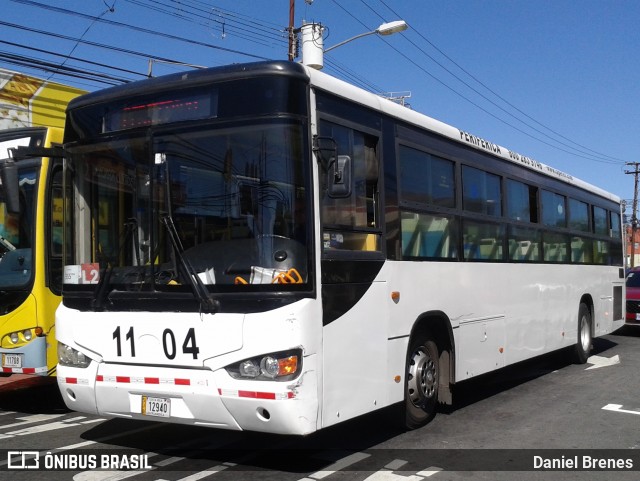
[161, 111]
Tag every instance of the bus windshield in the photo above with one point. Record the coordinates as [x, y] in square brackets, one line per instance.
[16, 232]
[206, 207]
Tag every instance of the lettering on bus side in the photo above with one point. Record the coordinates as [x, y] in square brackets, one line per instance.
[479, 142]
[523, 159]
[189, 346]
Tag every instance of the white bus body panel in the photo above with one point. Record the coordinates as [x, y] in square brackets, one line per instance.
[201, 391]
[497, 318]
[356, 360]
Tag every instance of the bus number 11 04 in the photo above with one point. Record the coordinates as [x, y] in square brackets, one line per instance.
[189, 345]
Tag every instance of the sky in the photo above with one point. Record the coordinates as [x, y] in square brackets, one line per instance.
[555, 80]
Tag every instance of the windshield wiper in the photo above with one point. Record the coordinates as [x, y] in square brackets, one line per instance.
[200, 291]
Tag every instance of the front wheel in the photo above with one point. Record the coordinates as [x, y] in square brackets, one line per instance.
[421, 385]
[583, 346]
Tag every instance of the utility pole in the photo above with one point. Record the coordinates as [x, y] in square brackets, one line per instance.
[292, 43]
[634, 218]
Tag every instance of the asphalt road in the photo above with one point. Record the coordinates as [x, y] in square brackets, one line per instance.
[582, 420]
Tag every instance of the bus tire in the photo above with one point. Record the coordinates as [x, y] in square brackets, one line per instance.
[583, 346]
[421, 385]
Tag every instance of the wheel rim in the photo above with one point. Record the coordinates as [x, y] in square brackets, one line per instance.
[422, 377]
[585, 335]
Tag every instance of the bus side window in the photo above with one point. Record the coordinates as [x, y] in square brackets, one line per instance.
[426, 236]
[482, 241]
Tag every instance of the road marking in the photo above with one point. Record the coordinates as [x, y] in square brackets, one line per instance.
[119, 475]
[65, 423]
[91, 421]
[599, 361]
[337, 466]
[430, 471]
[111, 475]
[391, 476]
[616, 407]
[36, 418]
[396, 464]
[89, 443]
[168, 461]
[207, 472]
[387, 474]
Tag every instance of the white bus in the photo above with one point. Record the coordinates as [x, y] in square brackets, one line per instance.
[264, 247]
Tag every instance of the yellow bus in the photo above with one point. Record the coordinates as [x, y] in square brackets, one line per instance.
[32, 113]
[30, 249]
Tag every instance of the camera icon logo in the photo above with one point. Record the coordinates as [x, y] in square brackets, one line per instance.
[23, 460]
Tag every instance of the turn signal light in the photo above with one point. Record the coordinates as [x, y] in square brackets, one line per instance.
[288, 365]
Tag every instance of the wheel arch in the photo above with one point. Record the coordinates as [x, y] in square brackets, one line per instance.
[437, 324]
[587, 300]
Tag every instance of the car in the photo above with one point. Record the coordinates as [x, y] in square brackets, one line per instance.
[633, 296]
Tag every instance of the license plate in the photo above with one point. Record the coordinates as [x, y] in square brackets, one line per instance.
[11, 360]
[156, 406]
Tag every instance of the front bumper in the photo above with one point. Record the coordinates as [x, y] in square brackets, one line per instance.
[34, 358]
[197, 397]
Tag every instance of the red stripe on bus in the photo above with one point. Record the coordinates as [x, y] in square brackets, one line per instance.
[265, 395]
[152, 380]
[99, 378]
[257, 394]
[250, 394]
[125, 379]
[71, 380]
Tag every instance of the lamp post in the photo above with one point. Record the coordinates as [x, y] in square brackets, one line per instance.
[312, 42]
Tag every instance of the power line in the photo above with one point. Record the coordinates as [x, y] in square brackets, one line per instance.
[584, 152]
[88, 42]
[109, 9]
[215, 18]
[137, 29]
[78, 59]
[73, 72]
[190, 10]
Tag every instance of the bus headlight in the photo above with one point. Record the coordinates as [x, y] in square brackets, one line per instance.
[27, 334]
[276, 366]
[14, 337]
[68, 356]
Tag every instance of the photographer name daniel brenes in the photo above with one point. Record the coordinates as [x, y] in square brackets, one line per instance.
[581, 462]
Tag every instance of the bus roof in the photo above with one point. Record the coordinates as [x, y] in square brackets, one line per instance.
[337, 87]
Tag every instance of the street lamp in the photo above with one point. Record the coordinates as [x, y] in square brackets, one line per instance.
[384, 29]
[312, 43]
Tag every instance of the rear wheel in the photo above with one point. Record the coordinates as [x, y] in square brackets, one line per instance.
[421, 386]
[583, 346]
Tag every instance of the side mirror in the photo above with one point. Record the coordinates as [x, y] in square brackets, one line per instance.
[9, 178]
[326, 150]
[339, 181]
